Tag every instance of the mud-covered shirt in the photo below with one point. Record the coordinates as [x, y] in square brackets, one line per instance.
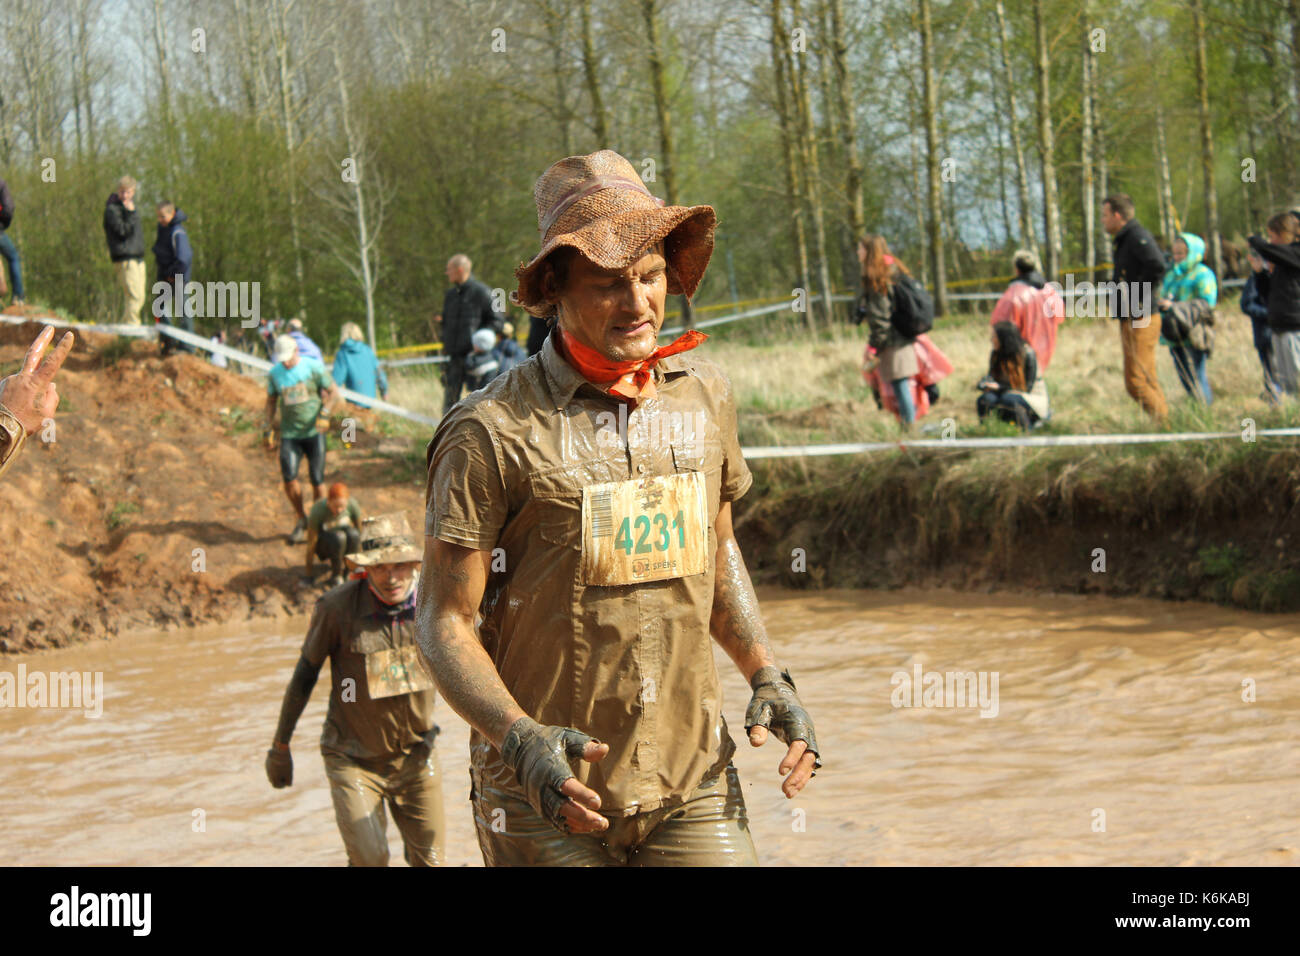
[373, 660]
[299, 389]
[630, 664]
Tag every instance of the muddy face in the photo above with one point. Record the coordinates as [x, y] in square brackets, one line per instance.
[617, 312]
[393, 582]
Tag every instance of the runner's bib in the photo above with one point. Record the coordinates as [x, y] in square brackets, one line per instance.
[394, 671]
[644, 529]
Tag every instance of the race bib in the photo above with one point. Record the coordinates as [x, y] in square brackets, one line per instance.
[644, 529]
[394, 671]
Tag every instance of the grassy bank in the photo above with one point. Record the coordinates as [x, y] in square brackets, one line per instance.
[1206, 520]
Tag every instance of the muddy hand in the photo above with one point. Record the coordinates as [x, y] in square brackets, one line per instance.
[776, 706]
[30, 393]
[539, 755]
[279, 768]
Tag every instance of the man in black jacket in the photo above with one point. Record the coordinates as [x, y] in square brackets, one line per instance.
[1139, 268]
[466, 309]
[126, 247]
[8, 251]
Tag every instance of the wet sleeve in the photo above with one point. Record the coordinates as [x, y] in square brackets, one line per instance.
[323, 378]
[465, 498]
[270, 385]
[736, 476]
[321, 637]
[315, 517]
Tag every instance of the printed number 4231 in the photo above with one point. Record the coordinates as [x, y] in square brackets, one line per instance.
[644, 523]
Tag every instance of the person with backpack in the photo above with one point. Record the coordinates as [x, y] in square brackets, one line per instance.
[175, 258]
[8, 251]
[1188, 332]
[897, 310]
[1282, 253]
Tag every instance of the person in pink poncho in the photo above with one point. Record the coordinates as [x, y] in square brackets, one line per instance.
[903, 373]
[1032, 306]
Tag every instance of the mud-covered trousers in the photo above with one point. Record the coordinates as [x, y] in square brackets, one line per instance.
[710, 828]
[410, 784]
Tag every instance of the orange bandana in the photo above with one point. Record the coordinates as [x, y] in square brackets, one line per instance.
[632, 381]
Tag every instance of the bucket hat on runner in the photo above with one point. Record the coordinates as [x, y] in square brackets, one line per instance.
[386, 539]
[598, 205]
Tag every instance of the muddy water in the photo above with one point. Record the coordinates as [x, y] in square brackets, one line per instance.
[1131, 708]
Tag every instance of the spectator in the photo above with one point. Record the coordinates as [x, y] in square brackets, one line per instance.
[1139, 269]
[8, 251]
[1013, 388]
[1032, 306]
[1189, 279]
[1254, 302]
[466, 308]
[509, 352]
[126, 247]
[306, 347]
[481, 365]
[1282, 254]
[356, 367]
[894, 364]
[172, 251]
[333, 531]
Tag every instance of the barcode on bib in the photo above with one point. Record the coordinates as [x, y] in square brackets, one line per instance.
[602, 514]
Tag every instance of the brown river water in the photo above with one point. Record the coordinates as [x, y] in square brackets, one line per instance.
[1120, 737]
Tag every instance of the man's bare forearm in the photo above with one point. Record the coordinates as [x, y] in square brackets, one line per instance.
[736, 622]
[462, 669]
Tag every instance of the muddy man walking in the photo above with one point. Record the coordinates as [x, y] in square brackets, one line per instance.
[581, 503]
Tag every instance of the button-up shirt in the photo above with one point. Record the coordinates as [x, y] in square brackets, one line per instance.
[632, 665]
[348, 625]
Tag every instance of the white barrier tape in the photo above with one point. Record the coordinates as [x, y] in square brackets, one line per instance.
[1041, 441]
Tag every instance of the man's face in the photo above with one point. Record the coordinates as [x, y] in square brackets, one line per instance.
[393, 582]
[1111, 220]
[165, 216]
[617, 312]
[337, 505]
[292, 360]
[456, 274]
[127, 195]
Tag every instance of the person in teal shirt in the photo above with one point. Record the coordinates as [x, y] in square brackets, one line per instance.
[306, 396]
[1190, 278]
[356, 367]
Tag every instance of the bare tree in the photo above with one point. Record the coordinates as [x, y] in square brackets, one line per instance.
[1047, 145]
[1028, 234]
[1207, 139]
[934, 191]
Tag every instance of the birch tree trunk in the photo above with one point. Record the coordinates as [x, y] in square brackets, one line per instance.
[1089, 198]
[784, 94]
[848, 132]
[934, 192]
[1028, 234]
[659, 89]
[599, 123]
[1047, 146]
[812, 171]
[1166, 192]
[1207, 140]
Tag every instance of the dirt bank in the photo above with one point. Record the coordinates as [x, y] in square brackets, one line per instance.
[1213, 521]
[153, 459]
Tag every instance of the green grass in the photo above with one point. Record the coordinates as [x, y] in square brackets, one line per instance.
[121, 513]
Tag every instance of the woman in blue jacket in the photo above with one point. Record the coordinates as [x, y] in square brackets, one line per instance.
[356, 367]
[1190, 278]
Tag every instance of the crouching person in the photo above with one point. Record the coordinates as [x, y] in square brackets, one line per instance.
[378, 740]
[1013, 389]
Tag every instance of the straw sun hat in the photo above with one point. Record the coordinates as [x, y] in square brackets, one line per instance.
[598, 205]
[386, 539]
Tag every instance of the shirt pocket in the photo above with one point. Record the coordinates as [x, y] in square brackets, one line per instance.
[557, 498]
[368, 642]
[705, 456]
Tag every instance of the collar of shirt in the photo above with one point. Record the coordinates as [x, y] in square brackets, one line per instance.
[565, 380]
[371, 606]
